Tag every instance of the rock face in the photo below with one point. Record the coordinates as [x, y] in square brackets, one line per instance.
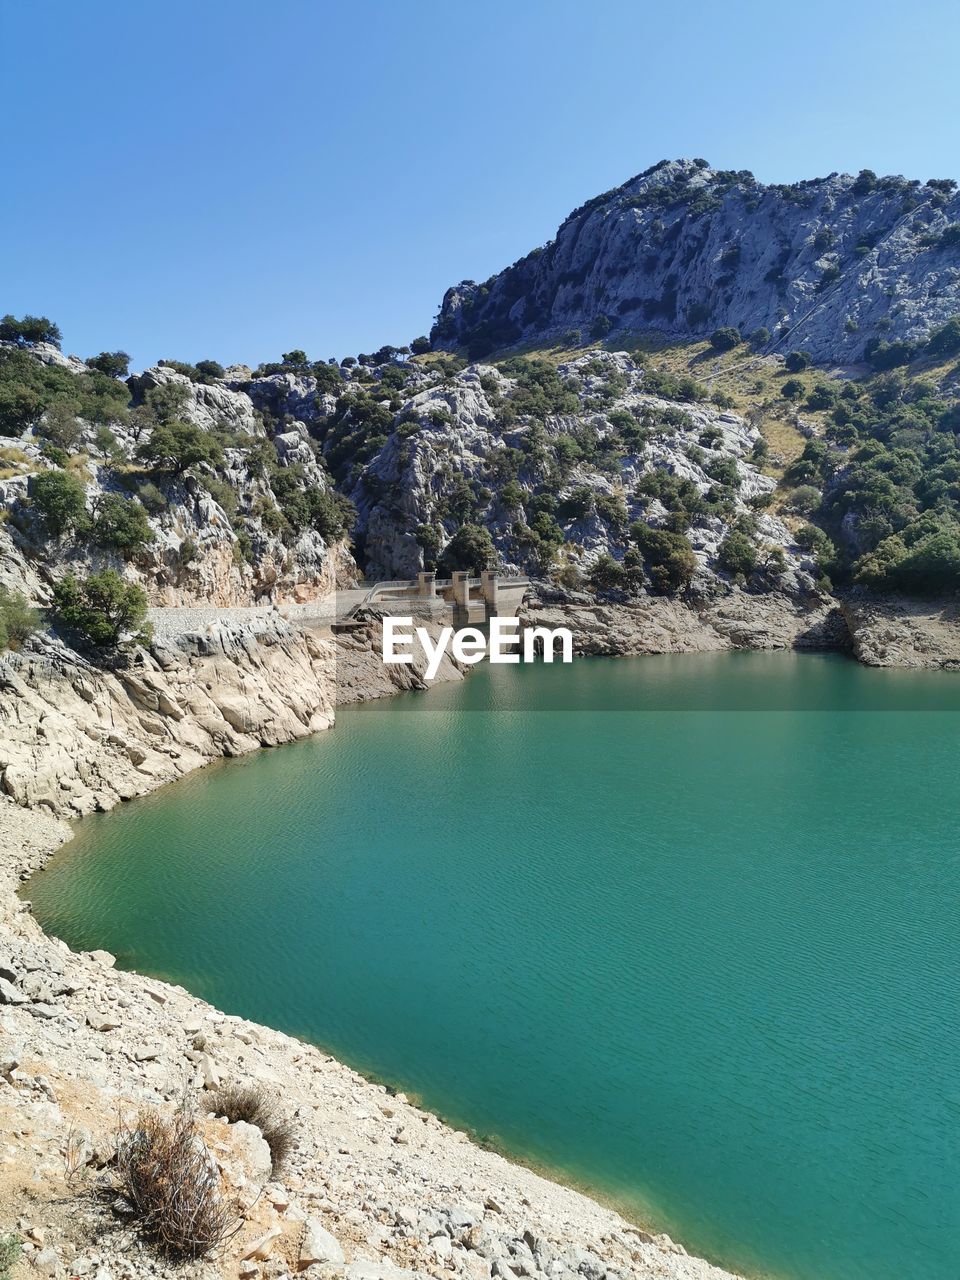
[456, 443]
[74, 738]
[734, 620]
[904, 633]
[219, 536]
[823, 265]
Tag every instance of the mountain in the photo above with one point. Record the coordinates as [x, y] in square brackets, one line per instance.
[724, 392]
[826, 266]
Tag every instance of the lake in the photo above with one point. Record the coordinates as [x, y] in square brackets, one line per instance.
[683, 930]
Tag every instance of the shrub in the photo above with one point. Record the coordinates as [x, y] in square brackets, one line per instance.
[796, 361]
[53, 453]
[945, 341]
[60, 498]
[888, 355]
[209, 370]
[168, 1175]
[579, 504]
[10, 1251]
[725, 339]
[121, 523]
[737, 554]
[152, 498]
[668, 555]
[175, 446]
[102, 608]
[239, 1102]
[803, 500]
[30, 389]
[419, 346]
[792, 389]
[115, 364]
[18, 620]
[59, 425]
[470, 548]
[759, 338]
[865, 182]
[606, 574]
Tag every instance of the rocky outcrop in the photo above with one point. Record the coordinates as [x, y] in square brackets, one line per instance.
[74, 737]
[904, 633]
[822, 265]
[736, 620]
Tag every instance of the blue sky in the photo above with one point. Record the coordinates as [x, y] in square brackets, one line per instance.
[228, 179]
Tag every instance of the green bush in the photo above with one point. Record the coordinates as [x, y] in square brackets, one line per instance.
[28, 389]
[209, 370]
[60, 499]
[103, 608]
[10, 1250]
[803, 500]
[115, 364]
[152, 498]
[737, 554]
[17, 621]
[668, 556]
[922, 559]
[796, 361]
[945, 341]
[121, 523]
[725, 339]
[175, 446]
[471, 548]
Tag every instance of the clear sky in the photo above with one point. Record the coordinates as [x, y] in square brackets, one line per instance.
[228, 179]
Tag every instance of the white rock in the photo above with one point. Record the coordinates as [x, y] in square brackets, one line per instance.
[318, 1245]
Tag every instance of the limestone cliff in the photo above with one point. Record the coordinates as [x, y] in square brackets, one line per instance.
[822, 265]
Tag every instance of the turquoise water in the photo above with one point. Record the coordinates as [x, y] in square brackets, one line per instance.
[701, 958]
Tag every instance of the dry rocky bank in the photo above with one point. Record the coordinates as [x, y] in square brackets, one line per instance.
[374, 1184]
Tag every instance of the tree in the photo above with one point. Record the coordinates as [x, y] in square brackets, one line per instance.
[60, 498]
[209, 370]
[725, 339]
[103, 608]
[17, 619]
[115, 364]
[796, 361]
[121, 523]
[296, 358]
[20, 407]
[174, 446]
[420, 346]
[668, 555]
[945, 341]
[470, 548]
[29, 330]
[865, 182]
[737, 554]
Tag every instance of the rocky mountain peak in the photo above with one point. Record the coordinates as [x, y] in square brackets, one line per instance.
[827, 265]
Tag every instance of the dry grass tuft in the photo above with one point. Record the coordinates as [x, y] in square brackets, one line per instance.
[168, 1175]
[245, 1102]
